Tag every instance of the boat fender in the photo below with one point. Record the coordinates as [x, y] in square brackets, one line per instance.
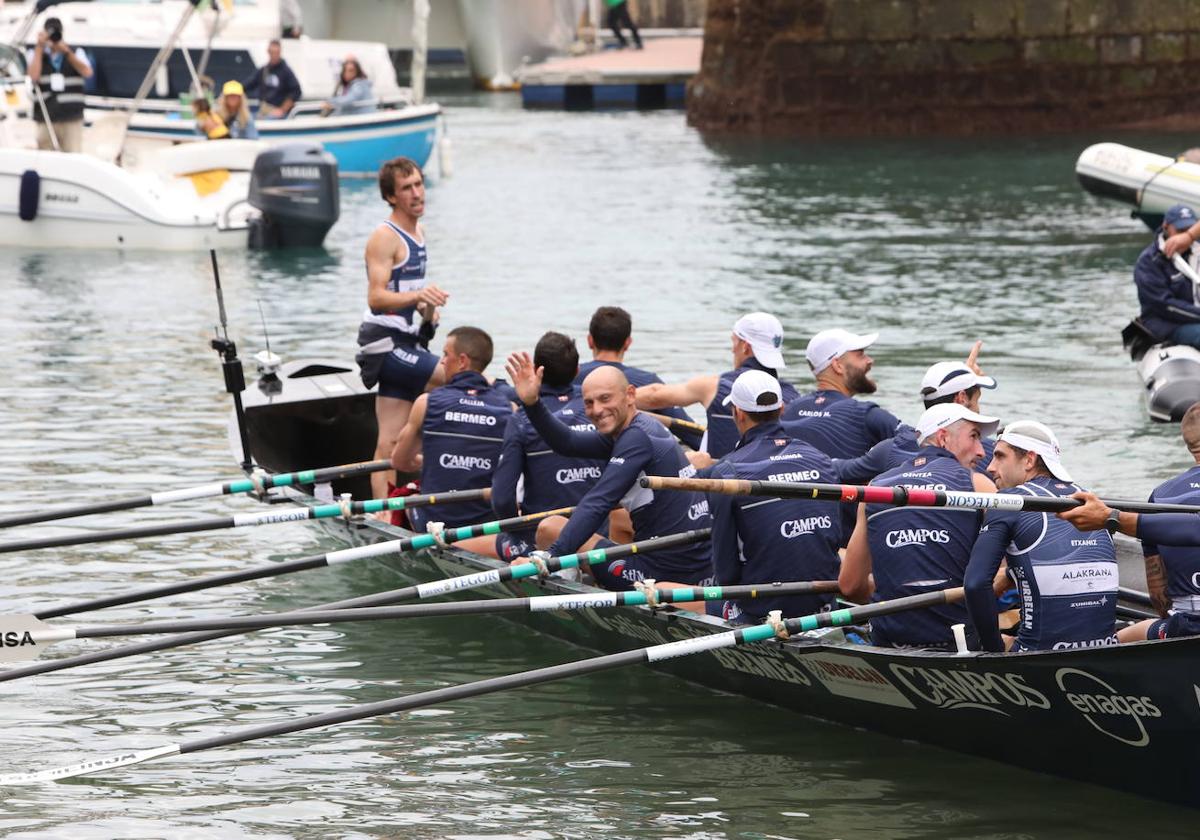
[31, 188]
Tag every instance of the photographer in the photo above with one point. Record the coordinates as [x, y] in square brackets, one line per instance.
[59, 72]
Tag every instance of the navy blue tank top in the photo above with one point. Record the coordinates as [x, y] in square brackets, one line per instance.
[408, 276]
[722, 435]
[1182, 563]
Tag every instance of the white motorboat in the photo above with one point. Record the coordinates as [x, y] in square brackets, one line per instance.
[1149, 182]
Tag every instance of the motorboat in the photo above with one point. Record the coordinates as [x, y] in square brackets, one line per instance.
[1149, 182]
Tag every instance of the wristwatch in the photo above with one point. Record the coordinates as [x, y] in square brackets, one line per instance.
[1112, 522]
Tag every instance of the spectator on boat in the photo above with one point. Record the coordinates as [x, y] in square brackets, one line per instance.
[944, 382]
[353, 94]
[618, 16]
[275, 85]
[757, 342]
[233, 111]
[1170, 544]
[899, 551]
[531, 477]
[453, 435]
[1166, 294]
[634, 446]
[59, 72]
[291, 19]
[393, 340]
[1067, 581]
[757, 540]
[610, 333]
[208, 123]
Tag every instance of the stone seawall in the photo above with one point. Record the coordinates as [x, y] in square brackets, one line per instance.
[896, 67]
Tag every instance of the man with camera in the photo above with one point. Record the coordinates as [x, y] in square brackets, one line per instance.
[59, 72]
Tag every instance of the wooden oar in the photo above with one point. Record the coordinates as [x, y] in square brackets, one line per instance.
[24, 637]
[300, 564]
[674, 423]
[241, 485]
[381, 599]
[649, 655]
[900, 496]
[246, 520]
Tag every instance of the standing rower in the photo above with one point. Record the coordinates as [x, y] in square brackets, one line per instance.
[392, 339]
[453, 435]
[634, 446]
[531, 477]
[757, 340]
[758, 540]
[1067, 581]
[900, 551]
[831, 419]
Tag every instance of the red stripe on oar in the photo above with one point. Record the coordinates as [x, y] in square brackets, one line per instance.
[884, 495]
[917, 496]
[850, 493]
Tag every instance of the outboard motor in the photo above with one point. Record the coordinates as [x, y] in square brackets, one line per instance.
[296, 189]
[1171, 374]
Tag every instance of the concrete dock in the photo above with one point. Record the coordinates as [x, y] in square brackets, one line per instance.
[654, 77]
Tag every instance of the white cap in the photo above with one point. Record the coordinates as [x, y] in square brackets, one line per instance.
[947, 414]
[827, 345]
[1036, 437]
[946, 378]
[755, 391]
[765, 335]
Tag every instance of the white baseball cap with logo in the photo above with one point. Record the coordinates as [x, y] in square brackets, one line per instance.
[764, 333]
[1033, 436]
[947, 414]
[946, 378]
[755, 391]
[827, 345]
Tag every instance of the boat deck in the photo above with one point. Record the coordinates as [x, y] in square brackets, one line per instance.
[654, 77]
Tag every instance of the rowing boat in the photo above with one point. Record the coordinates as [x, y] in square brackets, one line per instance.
[1072, 713]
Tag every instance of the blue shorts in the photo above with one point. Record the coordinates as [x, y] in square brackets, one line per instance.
[620, 575]
[1174, 626]
[406, 371]
[511, 546]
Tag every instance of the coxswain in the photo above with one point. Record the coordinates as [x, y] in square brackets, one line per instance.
[757, 342]
[453, 436]
[633, 446]
[1066, 581]
[829, 417]
[758, 540]
[402, 310]
[610, 333]
[897, 551]
[531, 477]
[1170, 543]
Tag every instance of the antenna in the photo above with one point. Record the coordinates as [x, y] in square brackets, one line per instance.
[263, 317]
[231, 365]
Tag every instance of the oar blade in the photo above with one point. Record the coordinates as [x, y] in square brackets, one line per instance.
[85, 767]
[24, 637]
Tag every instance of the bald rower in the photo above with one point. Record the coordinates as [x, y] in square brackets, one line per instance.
[633, 446]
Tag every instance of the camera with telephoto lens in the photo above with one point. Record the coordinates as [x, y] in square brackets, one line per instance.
[54, 31]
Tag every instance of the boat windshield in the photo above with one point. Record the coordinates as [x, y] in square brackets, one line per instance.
[12, 62]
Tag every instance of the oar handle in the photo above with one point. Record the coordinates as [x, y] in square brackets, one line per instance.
[678, 423]
[856, 615]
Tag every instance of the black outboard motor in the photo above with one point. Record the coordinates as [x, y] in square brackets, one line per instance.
[296, 189]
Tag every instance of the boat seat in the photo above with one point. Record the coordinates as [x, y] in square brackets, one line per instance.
[106, 136]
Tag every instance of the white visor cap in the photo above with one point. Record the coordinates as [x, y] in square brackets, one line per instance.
[946, 378]
[1033, 436]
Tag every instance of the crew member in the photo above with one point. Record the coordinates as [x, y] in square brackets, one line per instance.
[1168, 300]
[944, 382]
[1172, 568]
[60, 72]
[897, 551]
[531, 477]
[634, 446]
[392, 338]
[610, 333]
[759, 540]
[832, 421]
[453, 435]
[1067, 581]
[275, 85]
[757, 340]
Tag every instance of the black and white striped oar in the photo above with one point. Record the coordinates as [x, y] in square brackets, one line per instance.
[649, 655]
[200, 491]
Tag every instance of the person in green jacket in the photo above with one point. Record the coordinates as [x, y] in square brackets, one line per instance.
[618, 13]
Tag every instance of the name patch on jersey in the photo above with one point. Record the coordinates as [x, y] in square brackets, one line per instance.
[576, 475]
[466, 417]
[449, 461]
[698, 511]
[792, 528]
[1065, 579]
[916, 536]
[798, 475]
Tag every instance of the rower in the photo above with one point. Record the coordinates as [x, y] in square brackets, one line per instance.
[757, 340]
[634, 446]
[1170, 543]
[899, 551]
[831, 419]
[610, 333]
[757, 540]
[531, 477]
[1067, 581]
[453, 435]
[944, 382]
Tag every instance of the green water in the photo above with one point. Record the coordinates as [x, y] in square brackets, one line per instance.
[108, 377]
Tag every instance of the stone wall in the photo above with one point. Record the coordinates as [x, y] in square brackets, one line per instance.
[864, 67]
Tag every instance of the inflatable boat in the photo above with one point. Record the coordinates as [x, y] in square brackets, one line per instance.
[1148, 182]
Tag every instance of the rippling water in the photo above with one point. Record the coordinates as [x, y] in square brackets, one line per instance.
[110, 389]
